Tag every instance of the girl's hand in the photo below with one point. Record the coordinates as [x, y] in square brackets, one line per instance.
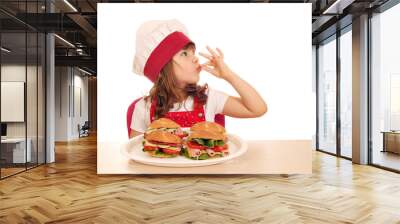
[216, 64]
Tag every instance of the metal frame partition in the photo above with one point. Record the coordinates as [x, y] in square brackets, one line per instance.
[44, 86]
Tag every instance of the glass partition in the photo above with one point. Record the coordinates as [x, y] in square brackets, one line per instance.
[346, 93]
[22, 76]
[13, 110]
[327, 95]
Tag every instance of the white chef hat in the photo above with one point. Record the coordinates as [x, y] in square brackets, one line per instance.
[157, 41]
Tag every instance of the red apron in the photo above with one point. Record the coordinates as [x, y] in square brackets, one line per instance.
[185, 119]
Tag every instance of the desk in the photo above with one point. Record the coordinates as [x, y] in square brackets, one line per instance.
[262, 157]
[391, 141]
[16, 148]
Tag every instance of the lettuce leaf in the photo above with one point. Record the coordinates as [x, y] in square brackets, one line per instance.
[158, 152]
[219, 143]
[205, 142]
[199, 141]
[185, 152]
[209, 142]
[203, 156]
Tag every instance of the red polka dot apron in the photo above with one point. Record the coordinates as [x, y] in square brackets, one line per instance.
[185, 119]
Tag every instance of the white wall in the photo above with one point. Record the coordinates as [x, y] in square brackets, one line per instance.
[12, 101]
[16, 73]
[67, 117]
[61, 103]
[259, 45]
[80, 83]
[34, 125]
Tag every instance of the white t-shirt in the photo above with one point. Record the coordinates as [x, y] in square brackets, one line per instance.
[214, 105]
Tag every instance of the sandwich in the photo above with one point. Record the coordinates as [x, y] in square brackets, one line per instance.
[204, 144]
[168, 125]
[209, 126]
[162, 144]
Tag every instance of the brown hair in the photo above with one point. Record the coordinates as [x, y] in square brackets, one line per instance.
[166, 93]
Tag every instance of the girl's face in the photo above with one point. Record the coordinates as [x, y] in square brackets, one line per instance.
[186, 66]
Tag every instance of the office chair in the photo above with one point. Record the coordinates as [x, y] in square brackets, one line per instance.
[84, 130]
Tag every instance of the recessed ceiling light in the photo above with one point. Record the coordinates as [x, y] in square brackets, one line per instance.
[86, 72]
[338, 6]
[64, 40]
[70, 5]
[5, 49]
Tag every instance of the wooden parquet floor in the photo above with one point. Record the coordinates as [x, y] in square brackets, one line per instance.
[70, 191]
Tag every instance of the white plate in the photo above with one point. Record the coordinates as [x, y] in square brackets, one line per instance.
[133, 150]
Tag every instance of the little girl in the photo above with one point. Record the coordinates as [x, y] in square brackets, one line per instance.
[166, 56]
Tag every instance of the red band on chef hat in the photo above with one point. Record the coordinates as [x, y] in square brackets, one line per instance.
[163, 53]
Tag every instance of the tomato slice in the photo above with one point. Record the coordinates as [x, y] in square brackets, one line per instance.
[170, 151]
[149, 148]
[182, 135]
[220, 148]
[194, 145]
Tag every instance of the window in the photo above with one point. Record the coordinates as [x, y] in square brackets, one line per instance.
[346, 92]
[385, 88]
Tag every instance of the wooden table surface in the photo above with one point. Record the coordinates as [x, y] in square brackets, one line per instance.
[262, 157]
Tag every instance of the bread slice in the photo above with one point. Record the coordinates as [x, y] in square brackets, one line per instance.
[206, 135]
[163, 136]
[208, 126]
[163, 123]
